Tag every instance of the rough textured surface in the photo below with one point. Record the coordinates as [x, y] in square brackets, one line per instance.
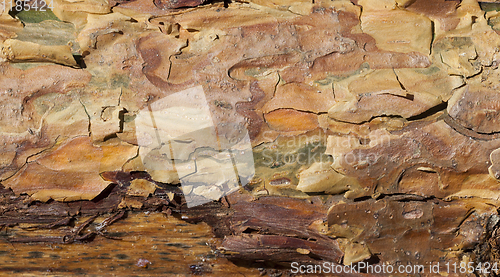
[359, 130]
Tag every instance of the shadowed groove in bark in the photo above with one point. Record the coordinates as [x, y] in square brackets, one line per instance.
[430, 112]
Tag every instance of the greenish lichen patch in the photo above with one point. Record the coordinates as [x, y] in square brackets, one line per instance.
[36, 16]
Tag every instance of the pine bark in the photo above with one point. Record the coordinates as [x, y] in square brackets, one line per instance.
[351, 131]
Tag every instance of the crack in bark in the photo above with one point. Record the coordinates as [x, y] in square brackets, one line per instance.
[468, 132]
[88, 115]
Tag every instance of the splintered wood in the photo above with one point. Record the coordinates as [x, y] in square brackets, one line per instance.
[300, 131]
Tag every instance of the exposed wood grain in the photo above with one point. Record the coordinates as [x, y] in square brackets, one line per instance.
[170, 245]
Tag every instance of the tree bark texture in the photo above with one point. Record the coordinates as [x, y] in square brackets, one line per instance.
[216, 138]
